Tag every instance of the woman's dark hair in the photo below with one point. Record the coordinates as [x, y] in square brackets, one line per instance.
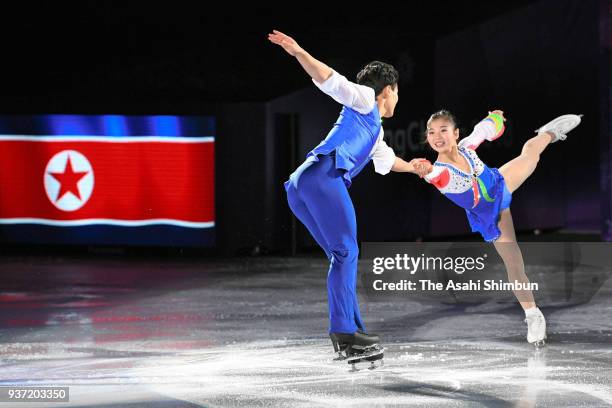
[378, 75]
[441, 114]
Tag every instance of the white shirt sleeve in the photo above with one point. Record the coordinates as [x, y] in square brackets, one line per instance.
[383, 158]
[359, 97]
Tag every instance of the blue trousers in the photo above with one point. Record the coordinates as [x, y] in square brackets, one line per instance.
[319, 198]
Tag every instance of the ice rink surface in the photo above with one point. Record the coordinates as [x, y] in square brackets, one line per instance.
[252, 333]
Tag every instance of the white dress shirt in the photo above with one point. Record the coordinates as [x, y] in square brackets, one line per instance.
[362, 99]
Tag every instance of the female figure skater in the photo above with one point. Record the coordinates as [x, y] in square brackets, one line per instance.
[485, 193]
[317, 191]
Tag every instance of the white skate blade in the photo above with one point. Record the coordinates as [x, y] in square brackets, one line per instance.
[537, 339]
[561, 126]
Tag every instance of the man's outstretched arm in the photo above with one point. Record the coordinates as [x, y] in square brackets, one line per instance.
[315, 68]
[418, 166]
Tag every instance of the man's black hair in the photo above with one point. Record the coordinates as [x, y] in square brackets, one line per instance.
[378, 75]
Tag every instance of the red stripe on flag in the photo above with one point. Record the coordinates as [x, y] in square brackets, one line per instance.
[133, 181]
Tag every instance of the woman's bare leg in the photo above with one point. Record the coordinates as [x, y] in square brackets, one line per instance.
[511, 254]
[517, 170]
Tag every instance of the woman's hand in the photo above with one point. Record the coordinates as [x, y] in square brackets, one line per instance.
[421, 166]
[498, 112]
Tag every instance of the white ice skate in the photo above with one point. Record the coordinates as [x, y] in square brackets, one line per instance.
[561, 126]
[536, 329]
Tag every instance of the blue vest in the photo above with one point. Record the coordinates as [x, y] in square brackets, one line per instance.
[351, 140]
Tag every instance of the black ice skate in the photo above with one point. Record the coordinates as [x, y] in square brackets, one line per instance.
[357, 347]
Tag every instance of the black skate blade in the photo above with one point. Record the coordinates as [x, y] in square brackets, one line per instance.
[372, 355]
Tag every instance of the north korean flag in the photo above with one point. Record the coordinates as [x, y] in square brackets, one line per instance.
[73, 181]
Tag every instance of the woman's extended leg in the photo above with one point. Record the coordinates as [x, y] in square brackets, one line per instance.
[511, 254]
[517, 170]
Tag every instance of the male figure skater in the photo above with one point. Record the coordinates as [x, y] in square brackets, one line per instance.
[317, 190]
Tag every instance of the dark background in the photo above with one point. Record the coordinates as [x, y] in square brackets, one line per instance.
[533, 59]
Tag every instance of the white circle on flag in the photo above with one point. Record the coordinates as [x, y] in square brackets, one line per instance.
[69, 180]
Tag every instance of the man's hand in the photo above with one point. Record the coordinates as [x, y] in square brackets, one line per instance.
[313, 67]
[288, 43]
[421, 167]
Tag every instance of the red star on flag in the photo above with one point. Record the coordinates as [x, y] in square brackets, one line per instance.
[68, 180]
